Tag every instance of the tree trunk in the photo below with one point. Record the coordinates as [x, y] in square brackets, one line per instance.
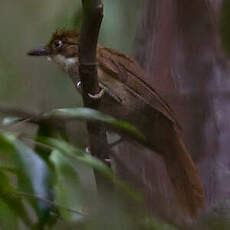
[176, 44]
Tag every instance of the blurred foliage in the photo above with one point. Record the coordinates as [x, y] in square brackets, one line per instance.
[89, 114]
[49, 192]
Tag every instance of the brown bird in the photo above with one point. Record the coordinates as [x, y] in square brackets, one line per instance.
[129, 96]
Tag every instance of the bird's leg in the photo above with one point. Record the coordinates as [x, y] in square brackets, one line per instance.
[95, 96]
[79, 85]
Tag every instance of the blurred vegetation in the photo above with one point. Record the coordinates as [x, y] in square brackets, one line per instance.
[46, 182]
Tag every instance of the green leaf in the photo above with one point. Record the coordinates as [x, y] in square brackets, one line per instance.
[10, 169]
[76, 154]
[81, 156]
[5, 145]
[45, 213]
[8, 194]
[93, 115]
[31, 170]
[8, 217]
[68, 190]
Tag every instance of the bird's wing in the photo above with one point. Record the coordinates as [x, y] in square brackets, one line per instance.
[133, 77]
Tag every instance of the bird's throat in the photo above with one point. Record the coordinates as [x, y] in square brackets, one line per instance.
[65, 63]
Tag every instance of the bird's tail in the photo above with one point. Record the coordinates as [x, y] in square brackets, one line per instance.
[184, 177]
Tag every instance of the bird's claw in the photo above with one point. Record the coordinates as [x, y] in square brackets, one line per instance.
[79, 84]
[97, 95]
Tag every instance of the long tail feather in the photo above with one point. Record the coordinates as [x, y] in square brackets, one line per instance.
[184, 177]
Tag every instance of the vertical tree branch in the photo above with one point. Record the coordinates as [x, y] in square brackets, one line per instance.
[93, 14]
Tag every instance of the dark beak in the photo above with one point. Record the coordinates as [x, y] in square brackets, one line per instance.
[40, 51]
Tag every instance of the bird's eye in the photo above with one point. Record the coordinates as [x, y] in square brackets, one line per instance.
[58, 43]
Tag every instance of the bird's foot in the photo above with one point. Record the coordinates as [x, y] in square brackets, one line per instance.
[97, 95]
[79, 84]
[93, 96]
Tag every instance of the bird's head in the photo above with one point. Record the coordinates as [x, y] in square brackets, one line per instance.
[63, 49]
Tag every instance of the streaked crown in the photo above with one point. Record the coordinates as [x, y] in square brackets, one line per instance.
[64, 42]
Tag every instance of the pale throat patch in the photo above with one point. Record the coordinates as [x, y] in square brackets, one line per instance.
[64, 62]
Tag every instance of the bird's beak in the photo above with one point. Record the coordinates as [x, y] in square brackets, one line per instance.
[39, 51]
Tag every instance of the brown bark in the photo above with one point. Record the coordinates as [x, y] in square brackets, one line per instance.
[93, 14]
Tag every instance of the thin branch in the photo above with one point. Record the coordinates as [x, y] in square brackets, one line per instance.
[49, 202]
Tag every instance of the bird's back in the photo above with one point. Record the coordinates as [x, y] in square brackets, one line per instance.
[128, 71]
